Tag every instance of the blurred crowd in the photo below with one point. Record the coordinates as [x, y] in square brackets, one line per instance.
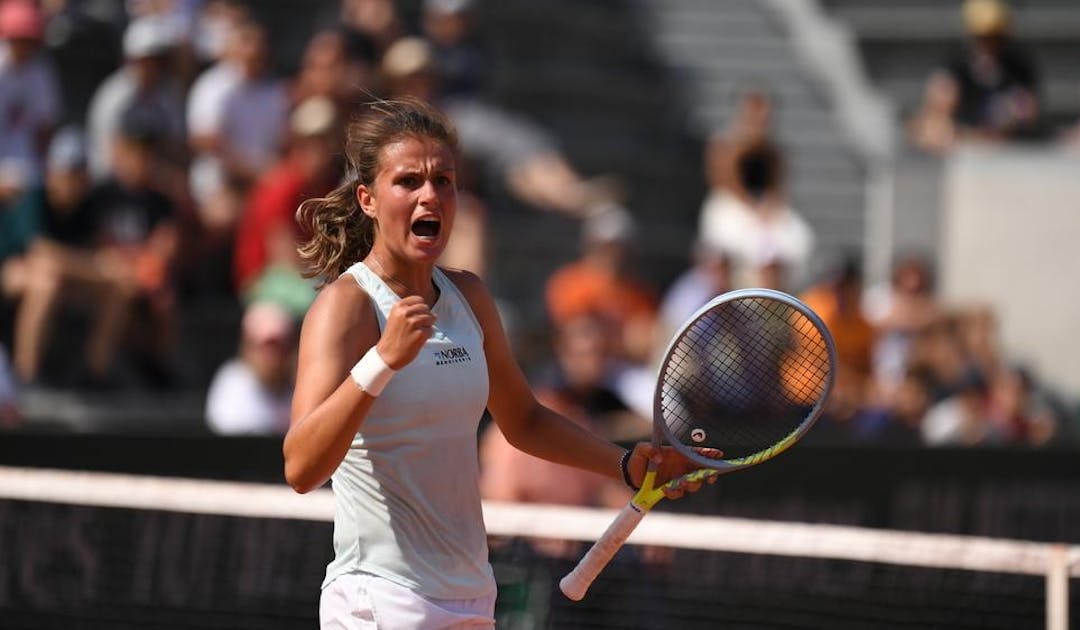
[915, 370]
[173, 177]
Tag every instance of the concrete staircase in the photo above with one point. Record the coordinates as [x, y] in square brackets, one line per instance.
[718, 49]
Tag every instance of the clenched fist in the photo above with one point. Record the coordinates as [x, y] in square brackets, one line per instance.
[409, 324]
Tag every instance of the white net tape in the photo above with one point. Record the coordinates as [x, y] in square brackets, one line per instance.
[713, 533]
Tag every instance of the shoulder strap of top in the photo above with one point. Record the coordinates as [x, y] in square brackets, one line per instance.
[382, 297]
[451, 292]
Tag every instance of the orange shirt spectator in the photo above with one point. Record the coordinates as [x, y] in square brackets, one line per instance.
[581, 288]
[854, 336]
[839, 304]
[599, 282]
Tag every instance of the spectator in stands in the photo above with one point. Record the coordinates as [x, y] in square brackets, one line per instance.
[136, 240]
[987, 92]
[252, 113]
[206, 111]
[238, 122]
[897, 420]
[602, 281]
[330, 70]
[1017, 413]
[447, 24]
[210, 232]
[938, 350]
[252, 393]
[524, 156]
[932, 128]
[709, 276]
[49, 209]
[838, 301]
[145, 80]
[586, 375]
[898, 312]
[747, 213]
[376, 21]
[961, 418]
[180, 18]
[45, 240]
[266, 262]
[255, 116]
[978, 332]
[213, 28]
[83, 44]
[30, 101]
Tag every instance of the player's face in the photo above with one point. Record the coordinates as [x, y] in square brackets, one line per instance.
[414, 198]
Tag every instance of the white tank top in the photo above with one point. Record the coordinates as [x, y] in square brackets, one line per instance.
[407, 499]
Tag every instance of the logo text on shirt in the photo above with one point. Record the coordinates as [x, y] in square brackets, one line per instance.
[451, 355]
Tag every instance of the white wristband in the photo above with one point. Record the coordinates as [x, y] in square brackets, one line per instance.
[371, 373]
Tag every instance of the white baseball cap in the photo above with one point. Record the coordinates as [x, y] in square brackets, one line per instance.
[149, 36]
[610, 224]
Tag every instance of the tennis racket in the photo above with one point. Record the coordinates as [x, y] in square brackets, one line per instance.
[746, 376]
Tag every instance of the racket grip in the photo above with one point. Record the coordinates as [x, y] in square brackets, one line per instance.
[578, 581]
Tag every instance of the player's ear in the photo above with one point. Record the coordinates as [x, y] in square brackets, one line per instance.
[366, 200]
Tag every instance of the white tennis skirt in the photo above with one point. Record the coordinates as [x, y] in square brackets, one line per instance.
[359, 601]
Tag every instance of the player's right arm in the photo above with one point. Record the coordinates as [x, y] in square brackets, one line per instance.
[328, 406]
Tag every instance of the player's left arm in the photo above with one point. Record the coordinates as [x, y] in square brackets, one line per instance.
[529, 425]
[526, 424]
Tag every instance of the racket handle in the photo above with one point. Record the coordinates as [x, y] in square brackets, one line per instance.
[578, 581]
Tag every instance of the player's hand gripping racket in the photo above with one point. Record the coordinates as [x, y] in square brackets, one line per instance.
[746, 376]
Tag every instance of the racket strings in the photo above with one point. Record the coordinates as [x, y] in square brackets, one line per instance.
[718, 387]
[744, 376]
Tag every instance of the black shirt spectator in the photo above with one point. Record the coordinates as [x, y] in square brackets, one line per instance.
[125, 216]
[986, 86]
[989, 91]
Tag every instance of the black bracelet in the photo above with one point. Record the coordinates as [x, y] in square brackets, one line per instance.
[624, 465]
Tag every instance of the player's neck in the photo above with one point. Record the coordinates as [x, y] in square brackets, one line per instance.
[401, 280]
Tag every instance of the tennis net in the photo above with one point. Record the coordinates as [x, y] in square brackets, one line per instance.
[101, 550]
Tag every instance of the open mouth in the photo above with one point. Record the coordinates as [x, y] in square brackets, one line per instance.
[426, 228]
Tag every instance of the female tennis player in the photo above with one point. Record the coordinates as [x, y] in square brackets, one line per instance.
[398, 360]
